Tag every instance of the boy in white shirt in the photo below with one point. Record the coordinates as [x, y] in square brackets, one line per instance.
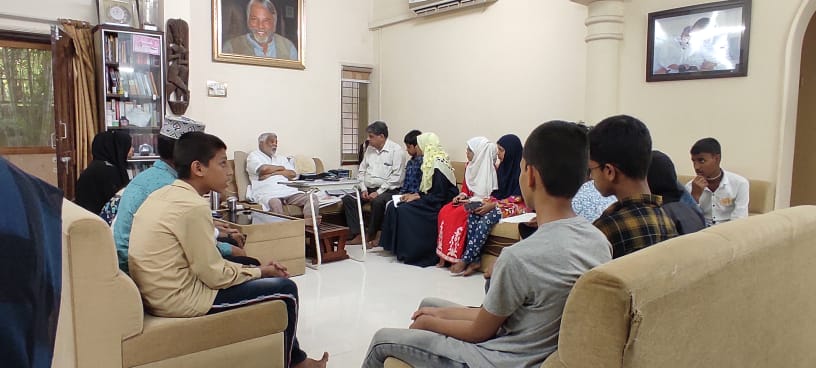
[722, 195]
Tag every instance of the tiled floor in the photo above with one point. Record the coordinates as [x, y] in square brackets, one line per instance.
[343, 303]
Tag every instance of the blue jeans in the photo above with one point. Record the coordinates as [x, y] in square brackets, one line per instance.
[261, 290]
[419, 348]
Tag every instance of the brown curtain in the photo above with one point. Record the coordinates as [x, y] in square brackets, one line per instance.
[85, 111]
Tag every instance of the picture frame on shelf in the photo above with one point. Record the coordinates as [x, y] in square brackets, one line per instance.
[698, 42]
[258, 32]
[119, 13]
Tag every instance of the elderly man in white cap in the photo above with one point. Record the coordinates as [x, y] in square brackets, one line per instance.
[160, 174]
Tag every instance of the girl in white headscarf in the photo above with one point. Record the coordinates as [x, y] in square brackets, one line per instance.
[480, 182]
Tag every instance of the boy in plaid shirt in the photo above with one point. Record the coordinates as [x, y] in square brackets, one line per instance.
[620, 151]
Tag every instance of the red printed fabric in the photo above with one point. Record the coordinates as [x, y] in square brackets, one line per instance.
[450, 243]
[511, 206]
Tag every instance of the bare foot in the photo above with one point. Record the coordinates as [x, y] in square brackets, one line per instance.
[373, 244]
[458, 267]
[441, 263]
[311, 363]
[471, 269]
[357, 240]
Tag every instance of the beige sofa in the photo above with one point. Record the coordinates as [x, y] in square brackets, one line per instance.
[102, 322]
[735, 295]
[761, 194]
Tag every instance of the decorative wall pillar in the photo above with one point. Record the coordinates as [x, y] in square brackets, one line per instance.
[604, 35]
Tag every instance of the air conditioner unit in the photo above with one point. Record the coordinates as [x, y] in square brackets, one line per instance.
[428, 7]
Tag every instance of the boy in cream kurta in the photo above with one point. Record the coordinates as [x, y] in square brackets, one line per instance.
[172, 255]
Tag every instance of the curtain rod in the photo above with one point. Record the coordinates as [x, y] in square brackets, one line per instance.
[26, 18]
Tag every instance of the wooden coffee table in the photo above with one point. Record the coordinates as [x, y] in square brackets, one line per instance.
[329, 235]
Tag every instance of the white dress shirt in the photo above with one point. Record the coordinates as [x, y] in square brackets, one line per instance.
[271, 187]
[728, 202]
[383, 169]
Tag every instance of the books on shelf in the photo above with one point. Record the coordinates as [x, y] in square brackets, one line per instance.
[136, 83]
[137, 114]
[132, 50]
[131, 96]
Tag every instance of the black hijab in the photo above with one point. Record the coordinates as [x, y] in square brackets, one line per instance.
[662, 178]
[509, 169]
[112, 147]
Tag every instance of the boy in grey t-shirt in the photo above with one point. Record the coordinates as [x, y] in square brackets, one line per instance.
[518, 324]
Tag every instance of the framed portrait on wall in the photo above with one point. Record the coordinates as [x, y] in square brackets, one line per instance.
[118, 13]
[700, 41]
[258, 32]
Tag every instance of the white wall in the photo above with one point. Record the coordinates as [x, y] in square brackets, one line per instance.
[744, 114]
[486, 71]
[302, 107]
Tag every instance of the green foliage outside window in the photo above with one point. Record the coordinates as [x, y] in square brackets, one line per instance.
[26, 97]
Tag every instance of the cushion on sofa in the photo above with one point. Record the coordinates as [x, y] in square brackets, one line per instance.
[761, 194]
[241, 178]
[265, 351]
[163, 338]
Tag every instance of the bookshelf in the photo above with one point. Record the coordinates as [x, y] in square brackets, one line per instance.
[130, 85]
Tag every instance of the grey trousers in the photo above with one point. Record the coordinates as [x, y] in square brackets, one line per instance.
[419, 348]
[301, 200]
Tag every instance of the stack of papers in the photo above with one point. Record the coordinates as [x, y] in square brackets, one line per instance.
[396, 198]
[526, 217]
[341, 192]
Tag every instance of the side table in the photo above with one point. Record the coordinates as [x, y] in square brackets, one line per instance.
[311, 187]
[329, 235]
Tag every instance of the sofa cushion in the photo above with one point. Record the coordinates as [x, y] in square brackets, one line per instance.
[733, 295]
[761, 194]
[304, 164]
[459, 172]
[266, 352]
[240, 175]
[164, 338]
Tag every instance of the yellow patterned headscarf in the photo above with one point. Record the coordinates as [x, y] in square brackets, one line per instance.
[433, 157]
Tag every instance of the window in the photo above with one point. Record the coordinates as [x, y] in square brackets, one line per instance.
[354, 114]
[26, 94]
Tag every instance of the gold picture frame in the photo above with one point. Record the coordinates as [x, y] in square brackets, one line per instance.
[258, 32]
[118, 13]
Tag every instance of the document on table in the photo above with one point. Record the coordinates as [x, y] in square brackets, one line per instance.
[525, 217]
[396, 198]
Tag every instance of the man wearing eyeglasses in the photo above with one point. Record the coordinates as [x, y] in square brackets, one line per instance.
[620, 151]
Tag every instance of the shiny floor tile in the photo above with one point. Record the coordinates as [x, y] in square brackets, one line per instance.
[342, 304]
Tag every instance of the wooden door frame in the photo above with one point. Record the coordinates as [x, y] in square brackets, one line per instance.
[62, 53]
